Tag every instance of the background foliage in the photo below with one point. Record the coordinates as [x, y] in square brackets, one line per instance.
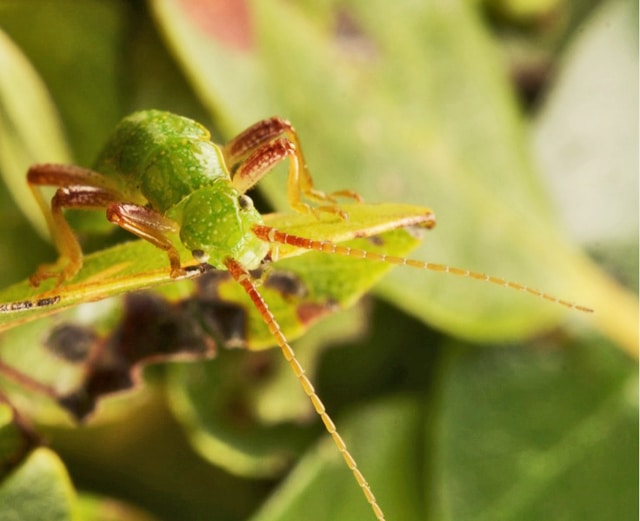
[459, 401]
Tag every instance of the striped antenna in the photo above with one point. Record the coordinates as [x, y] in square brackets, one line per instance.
[243, 278]
[272, 235]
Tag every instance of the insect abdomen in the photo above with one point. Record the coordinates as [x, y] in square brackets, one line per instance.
[160, 158]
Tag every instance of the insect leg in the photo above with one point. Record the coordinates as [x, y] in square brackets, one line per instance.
[248, 141]
[79, 188]
[300, 183]
[262, 161]
[150, 225]
[49, 174]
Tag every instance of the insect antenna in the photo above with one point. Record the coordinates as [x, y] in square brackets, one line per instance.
[273, 235]
[243, 278]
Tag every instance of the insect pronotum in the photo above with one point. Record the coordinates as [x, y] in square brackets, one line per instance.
[160, 176]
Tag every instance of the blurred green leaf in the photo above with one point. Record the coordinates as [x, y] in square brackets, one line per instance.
[38, 490]
[15, 439]
[29, 126]
[29, 132]
[538, 433]
[585, 141]
[97, 508]
[515, 434]
[77, 49]
[321, 488]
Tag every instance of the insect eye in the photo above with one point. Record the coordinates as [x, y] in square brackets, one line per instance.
[200, 255]
[245, 202]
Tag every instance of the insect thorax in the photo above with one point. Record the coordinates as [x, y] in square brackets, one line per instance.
[215, 221]
[160, 158]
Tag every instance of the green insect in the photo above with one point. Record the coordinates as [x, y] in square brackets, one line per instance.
[160, 174]
[162, 179]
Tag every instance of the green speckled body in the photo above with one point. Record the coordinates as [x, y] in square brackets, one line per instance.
[161, 158]
[167, 162]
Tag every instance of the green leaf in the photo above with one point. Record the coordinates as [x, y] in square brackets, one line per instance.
[15, 439]
[38, 490]
[98, 508]
[528, 434]
[29, 126]
[321, 488]
[138, 264]
[586, 143]
[76, 48]
[513, 434]
[29, 131]
[127, 267]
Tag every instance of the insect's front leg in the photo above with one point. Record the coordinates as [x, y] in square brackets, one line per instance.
[80, 189]
[263, 145]
[150, 225]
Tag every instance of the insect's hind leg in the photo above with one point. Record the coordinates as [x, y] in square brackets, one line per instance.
[79, 188]
[259, 148]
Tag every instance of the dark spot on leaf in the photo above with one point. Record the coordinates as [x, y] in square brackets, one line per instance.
[257, 273]
[154, 329]
[237, 410]
[288, 284]
[16, 306]
[259, 366]
[151, 330]
[530, 80]
[376, 240]
[71, 342]
[352, 37]
[47, 301]
[207, 285]
[102, 381]
[199, 269]
[310, 312]
[226, 323]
